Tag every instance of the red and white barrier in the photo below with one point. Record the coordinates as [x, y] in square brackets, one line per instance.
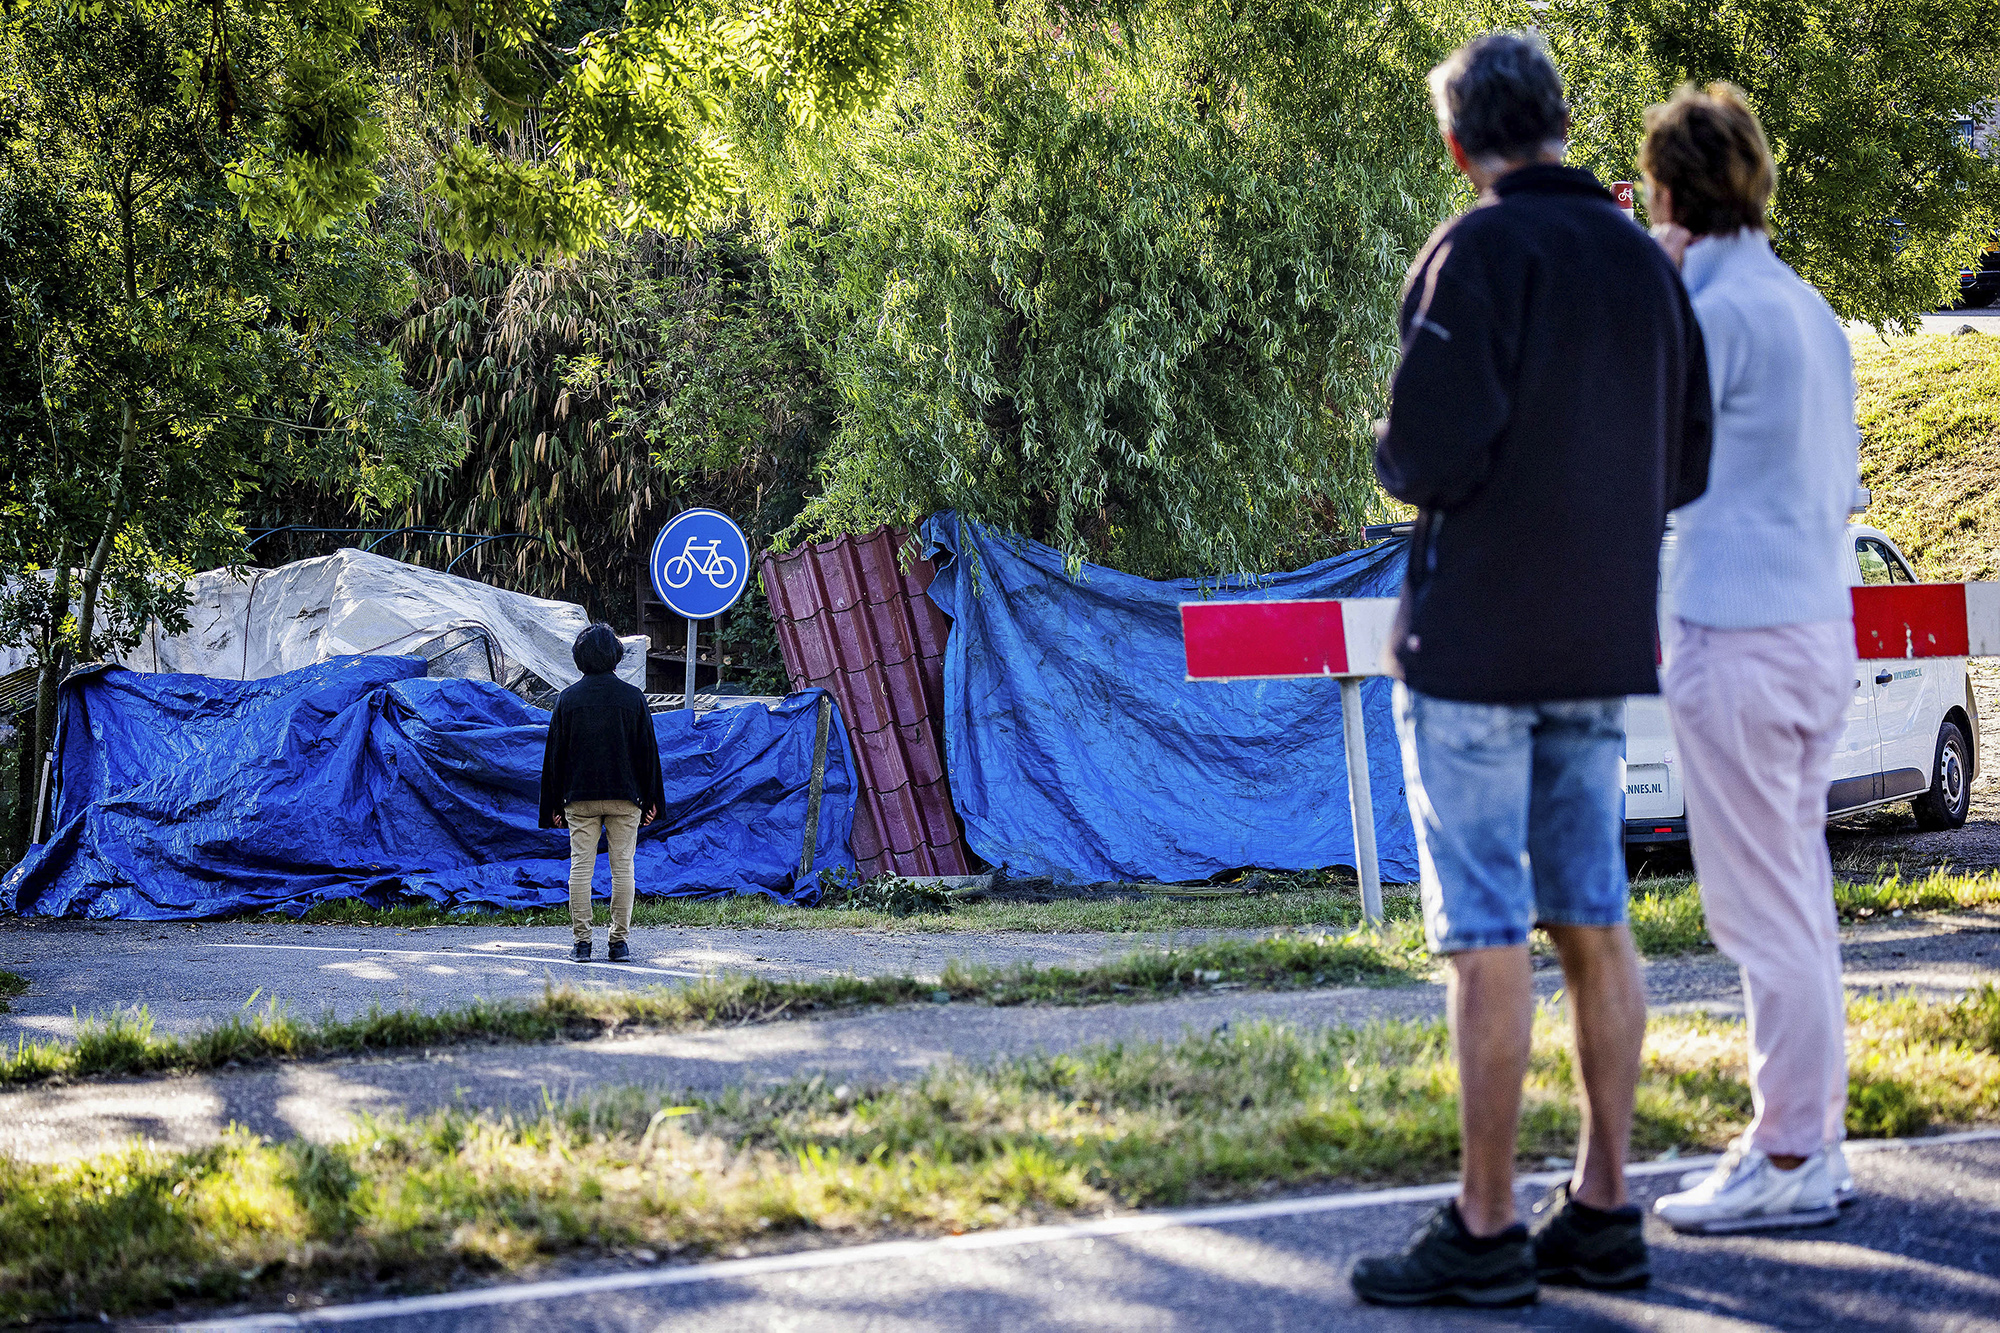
[1927, 620]
[1265, 640]
[1349, 636]
[1347, 639]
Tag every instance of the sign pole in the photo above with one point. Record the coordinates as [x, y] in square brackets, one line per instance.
[1361, 801]
[687, 690]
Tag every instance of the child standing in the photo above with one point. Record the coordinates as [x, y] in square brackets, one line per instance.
[601, 771]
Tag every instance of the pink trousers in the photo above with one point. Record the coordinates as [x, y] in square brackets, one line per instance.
[1757, 715]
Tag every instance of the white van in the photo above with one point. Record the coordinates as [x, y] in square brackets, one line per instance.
[1912, 731]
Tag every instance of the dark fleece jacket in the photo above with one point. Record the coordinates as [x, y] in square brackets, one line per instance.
[601, 747]
[1550, 407]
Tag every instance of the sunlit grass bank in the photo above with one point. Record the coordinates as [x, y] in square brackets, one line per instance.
[455, 1197]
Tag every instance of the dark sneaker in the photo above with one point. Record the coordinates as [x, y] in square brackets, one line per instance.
[581, 952]
[1445, 1262]
[1578, 1245]
[618, 952]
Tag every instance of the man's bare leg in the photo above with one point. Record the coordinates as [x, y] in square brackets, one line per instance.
[1607, 1006]
[1492, 1020]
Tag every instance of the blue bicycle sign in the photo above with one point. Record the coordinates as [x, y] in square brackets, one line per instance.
[700, 564]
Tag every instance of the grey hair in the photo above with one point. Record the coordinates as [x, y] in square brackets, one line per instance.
[1500, 96]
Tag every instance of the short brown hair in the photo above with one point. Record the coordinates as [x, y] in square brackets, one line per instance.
[1705, 146]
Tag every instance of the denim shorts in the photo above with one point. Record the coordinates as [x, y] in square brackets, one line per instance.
[1520, 815]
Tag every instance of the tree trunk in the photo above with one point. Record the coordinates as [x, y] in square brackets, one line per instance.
[38, 744]
[128, 445]
[114, 519]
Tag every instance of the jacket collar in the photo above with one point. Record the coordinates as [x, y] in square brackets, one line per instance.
[1550, 178]
[1710, 255]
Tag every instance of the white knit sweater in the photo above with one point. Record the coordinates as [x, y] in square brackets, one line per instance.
[1766, 544]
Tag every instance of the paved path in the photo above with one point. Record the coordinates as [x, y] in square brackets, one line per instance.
[191, 975]
[1933, 957]
[1921, 1251]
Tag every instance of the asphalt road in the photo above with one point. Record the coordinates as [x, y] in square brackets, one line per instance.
[1921, 1251]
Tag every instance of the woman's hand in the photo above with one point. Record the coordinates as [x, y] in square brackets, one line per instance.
[1674, 239]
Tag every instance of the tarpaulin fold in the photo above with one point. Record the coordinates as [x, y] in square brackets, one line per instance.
[1077, 748]
[188, 796]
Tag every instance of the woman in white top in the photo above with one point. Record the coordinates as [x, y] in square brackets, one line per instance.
[1761, 661]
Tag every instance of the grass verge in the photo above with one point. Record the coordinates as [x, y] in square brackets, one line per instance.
[1666, 910]
[457, 1196]
[1667, 917]
[127, 1044]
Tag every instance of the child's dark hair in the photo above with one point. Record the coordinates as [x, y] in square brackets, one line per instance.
[597, 651]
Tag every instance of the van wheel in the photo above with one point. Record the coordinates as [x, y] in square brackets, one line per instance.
[1944, 806]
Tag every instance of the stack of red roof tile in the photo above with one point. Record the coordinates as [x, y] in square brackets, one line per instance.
[852, 621]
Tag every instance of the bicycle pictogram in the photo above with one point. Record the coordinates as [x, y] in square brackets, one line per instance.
[719, 568]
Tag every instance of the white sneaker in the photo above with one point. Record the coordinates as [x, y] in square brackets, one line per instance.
[1745, 1192]
[1844, 1191]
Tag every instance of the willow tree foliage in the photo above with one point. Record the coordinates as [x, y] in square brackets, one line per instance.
[559, 121]
[1127, 289]
[1879, 198]
[601, 394]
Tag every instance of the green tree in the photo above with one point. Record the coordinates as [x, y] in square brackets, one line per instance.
[1126, 288]
[160, 359]
[555, 123]
[1878, 199]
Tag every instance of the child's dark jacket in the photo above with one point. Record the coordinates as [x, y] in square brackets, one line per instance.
[601, 748]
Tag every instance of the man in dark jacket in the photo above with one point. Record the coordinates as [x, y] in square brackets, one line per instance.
[1550, 406]
[600, 771]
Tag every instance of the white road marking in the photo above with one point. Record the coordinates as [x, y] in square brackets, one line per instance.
[881, 1252]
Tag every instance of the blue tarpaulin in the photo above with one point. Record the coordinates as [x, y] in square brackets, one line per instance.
[1077, 748]
[189, 796]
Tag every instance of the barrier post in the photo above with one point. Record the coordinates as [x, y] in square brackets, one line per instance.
[1360, 800]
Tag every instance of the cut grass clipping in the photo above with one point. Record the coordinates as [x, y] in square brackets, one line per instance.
[127, 1044]
[455, 1196]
